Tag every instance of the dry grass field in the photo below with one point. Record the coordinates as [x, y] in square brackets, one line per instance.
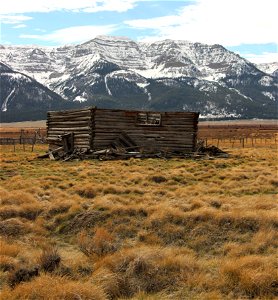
[139, 229]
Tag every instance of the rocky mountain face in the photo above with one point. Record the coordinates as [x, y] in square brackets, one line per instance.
[269, 68]
[166, 75]
[23, 98]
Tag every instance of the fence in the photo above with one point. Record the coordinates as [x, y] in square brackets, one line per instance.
[235, 136]
[22, 137]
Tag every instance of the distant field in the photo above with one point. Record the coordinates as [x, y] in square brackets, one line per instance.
[151, 229]
[26, 124]
[238, 133]
[240, 122]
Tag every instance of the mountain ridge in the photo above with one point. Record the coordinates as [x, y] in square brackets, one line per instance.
[119, 72]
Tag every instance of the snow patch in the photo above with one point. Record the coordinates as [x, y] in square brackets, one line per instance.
[266, 81]
[268, 68]
[106, 86]
[239, 93]
[269, 95]
[142, 85]
[5, 102]
[80, 99]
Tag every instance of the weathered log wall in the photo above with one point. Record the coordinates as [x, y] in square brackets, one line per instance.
[77, 121]
[176, 131]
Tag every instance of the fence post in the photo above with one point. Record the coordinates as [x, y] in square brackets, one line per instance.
[21, 135]
[33, 144]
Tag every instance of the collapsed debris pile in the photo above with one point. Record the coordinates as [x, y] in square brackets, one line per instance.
[210, 150]
[123, 147]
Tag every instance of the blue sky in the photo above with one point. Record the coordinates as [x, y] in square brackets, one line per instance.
[247, 27]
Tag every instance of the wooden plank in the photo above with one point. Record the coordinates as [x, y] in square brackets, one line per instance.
[71, 123]
[164, 122]
[81, 128]
[165, 135]
[73, 119]
[70, 111]
[137, 137]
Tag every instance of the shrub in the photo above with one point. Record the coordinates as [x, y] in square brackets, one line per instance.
[101, 243]
[146, 269]
[7, 263]
[26, 211]
[49, 259]
[251, 275]
[16, 198]
[13, 227]
[22, 274]
[86, 191]
[158, 179]
[76, 221]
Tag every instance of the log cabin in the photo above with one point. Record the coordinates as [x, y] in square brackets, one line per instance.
[96, 129]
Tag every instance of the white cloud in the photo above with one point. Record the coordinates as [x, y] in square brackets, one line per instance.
[265, 57]
[229, 22]
[13, 19]
[19, 26]
[71, 35]
[115, 5]
[28, 6]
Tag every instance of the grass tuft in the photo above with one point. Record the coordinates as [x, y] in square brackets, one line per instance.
[54, 288]
[50, 259]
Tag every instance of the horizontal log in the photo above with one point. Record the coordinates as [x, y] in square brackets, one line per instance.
[144, 134]
[70, 111]
[70, 123]
[164, 149]
[134, 118]
[105, 121]
[67, 119]
[62, 130]
[140, 143]
[67, 129]
[162, 134]
[53, 138]
[129, 112]
[124, 124]
[177, 122]
[70, 129]
[82, 140]
[53, 134]
[150, 139]
[81, 135]
[76, 145]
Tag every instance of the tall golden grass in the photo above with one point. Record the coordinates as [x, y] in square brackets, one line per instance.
[139, 229]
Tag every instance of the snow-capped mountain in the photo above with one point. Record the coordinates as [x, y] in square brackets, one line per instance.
[22, 97]
[164, 75]
[269, 68]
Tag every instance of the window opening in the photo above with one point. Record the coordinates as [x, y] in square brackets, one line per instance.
[148, 119]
